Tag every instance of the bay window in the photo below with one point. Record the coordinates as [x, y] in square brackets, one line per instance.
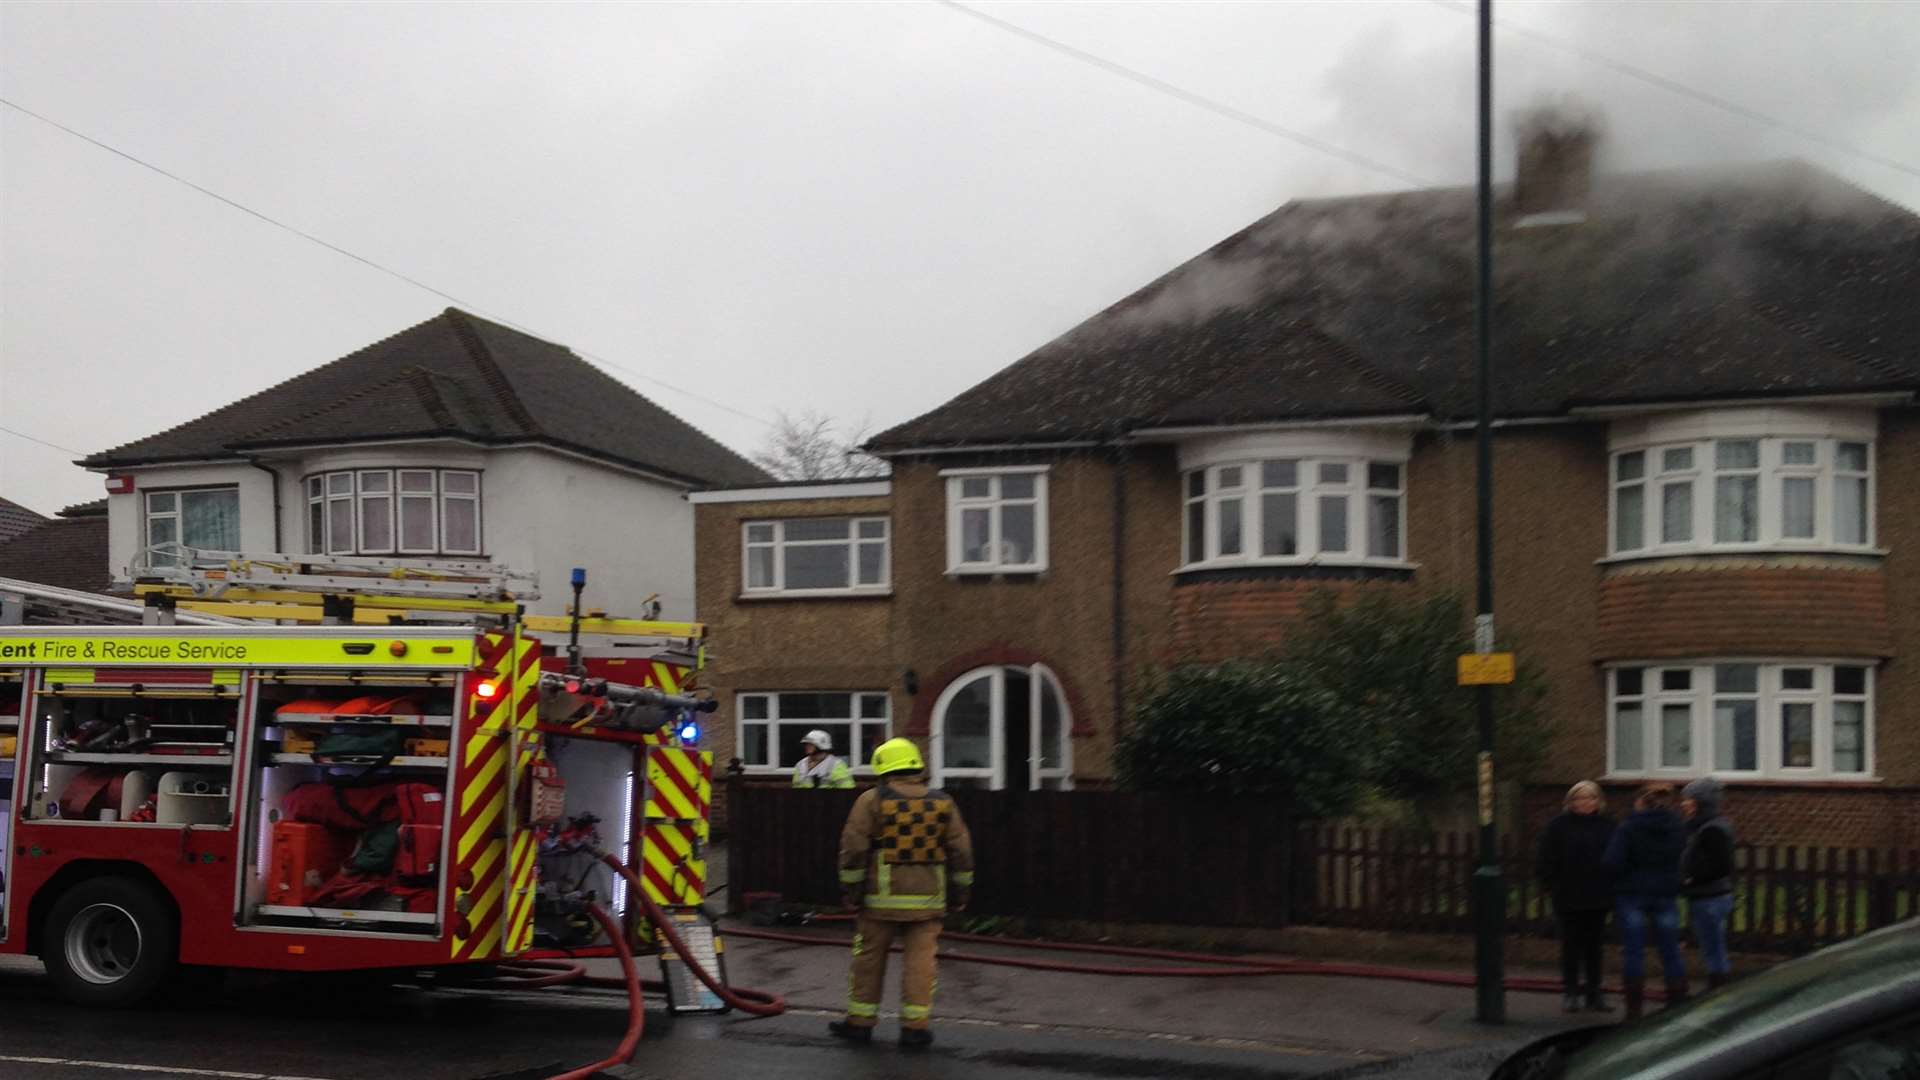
[1778, 719]
[1740, 491]
[394, 512]
[815, 555]
[1295, 510]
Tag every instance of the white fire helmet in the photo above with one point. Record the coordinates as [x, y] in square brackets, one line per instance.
[820, 739]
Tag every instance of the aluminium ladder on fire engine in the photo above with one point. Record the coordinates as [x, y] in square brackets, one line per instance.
[325, 588]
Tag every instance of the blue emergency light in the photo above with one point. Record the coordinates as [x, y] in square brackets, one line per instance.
[689, 731]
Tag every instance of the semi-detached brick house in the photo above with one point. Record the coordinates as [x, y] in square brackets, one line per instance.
[1707, 517]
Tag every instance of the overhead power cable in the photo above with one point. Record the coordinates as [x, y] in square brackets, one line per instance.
[381, 267]
[1218, 108]
[43, 442]
[1677, 87]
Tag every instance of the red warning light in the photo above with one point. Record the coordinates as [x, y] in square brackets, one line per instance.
[486, 690]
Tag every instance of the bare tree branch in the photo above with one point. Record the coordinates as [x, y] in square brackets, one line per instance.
[809, 446]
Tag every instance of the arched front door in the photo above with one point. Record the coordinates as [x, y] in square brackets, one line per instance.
[1003, 727]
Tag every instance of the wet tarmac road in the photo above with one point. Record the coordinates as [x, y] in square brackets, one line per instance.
[256, 1028]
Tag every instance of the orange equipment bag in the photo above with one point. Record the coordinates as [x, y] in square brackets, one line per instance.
[302, 858]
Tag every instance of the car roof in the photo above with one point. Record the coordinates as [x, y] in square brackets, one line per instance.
[1767, 1017]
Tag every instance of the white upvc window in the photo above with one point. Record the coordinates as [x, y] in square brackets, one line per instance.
[1772, 719]
[1743, 493]
[394, 511]
[1295, 510]
[771, 723]
[205, 518]
[996, 520]
[816, 556]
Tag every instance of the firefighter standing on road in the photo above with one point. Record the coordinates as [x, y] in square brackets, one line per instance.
[903, 848]
[819, 768]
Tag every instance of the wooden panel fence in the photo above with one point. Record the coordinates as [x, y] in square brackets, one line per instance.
[1104, 856]
[1099, 856]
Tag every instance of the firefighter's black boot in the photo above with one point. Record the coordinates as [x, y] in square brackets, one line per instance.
[915, 1038]
[1635, 996]
[854, 1033]
[1717, 979]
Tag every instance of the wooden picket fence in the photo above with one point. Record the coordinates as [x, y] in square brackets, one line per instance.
[1106, 856]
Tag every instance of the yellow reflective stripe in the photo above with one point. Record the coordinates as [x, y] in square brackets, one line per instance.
[915, 1012]
[852, 877]
[935, 902]
[865, 1010]
[963, 877]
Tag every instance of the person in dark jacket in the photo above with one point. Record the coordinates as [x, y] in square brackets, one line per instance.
[1569, 866]
[1706, 874]
[1644, 856]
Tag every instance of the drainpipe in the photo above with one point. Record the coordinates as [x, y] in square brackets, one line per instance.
[1122, 458]
[279, 548]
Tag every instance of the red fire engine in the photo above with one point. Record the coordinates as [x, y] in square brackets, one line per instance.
[321, 764]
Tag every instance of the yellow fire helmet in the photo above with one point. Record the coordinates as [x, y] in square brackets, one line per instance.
[897, 755]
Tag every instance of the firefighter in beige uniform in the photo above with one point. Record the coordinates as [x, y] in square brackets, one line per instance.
[905, 861]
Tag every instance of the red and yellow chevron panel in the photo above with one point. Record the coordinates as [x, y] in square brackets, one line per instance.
[480, 864]
[673, 840]
[526, 714]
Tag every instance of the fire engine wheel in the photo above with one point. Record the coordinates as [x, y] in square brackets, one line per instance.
[109, 941]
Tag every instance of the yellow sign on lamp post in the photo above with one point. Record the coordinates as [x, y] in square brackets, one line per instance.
[1486, 669]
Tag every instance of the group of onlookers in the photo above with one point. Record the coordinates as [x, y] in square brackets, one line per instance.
[1639, 869]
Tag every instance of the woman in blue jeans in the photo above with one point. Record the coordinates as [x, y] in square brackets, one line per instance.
[1644, 856]
[1706, 874]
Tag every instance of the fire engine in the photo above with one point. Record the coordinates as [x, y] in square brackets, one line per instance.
[316, 763]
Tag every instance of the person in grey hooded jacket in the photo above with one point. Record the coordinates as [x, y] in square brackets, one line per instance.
[1706, 873]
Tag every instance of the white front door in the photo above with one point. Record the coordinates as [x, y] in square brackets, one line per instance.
[1003, 727]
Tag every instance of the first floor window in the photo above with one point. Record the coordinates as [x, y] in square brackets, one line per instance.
[772, 723]
[394, 511]
[1743, 493]
[1783, 719]
[996, 520]
[205, 518]
[1295, 510]
[816, 555]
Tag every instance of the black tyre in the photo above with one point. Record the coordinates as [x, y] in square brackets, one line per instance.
[109, 941]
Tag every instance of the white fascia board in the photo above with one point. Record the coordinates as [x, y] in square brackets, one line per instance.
[988, 448]
[310, 449]
[996, 470]
[864, 490]
[1161, 434]
[1886, 397]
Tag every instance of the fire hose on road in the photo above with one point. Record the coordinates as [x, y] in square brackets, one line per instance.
[1199, 965]
[1170, 964]
[533, 974]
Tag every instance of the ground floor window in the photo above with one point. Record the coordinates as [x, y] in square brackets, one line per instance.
[1003, 727]
[1781, 719]
[771, 724]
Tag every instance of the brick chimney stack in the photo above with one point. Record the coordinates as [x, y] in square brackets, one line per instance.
[1555, 174]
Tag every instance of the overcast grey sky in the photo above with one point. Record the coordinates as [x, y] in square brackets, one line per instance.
[860, 209]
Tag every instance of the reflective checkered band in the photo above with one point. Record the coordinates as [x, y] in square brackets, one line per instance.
[911, 831]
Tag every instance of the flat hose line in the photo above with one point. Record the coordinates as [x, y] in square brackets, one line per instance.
[1214, 966]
